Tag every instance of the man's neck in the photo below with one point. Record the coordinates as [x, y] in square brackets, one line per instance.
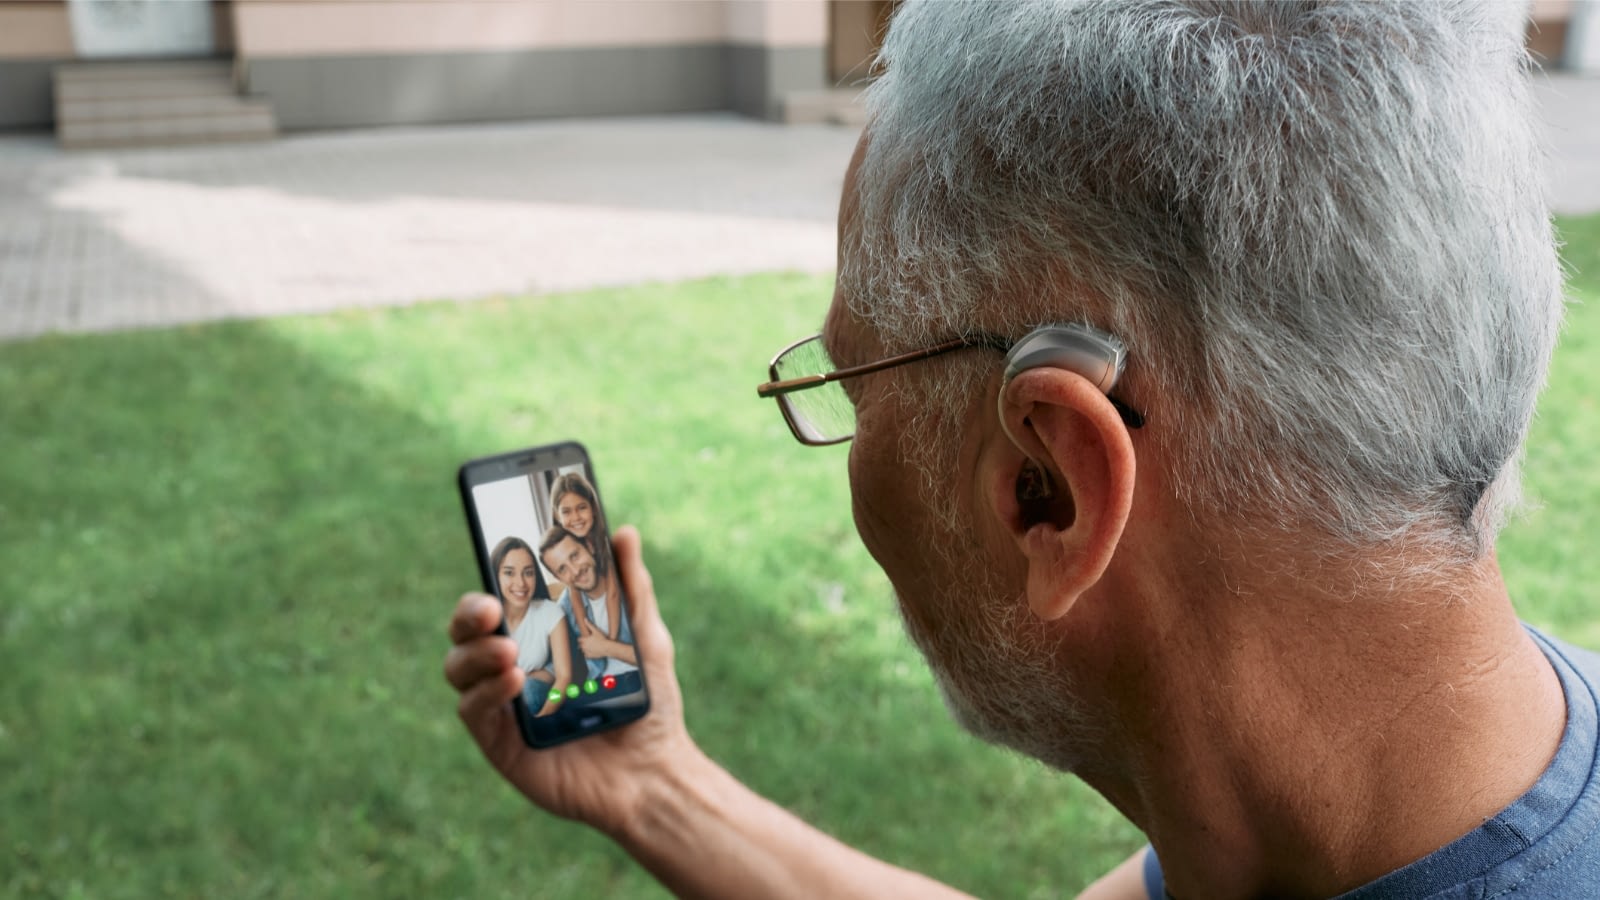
[602, 589]
[1306, 742]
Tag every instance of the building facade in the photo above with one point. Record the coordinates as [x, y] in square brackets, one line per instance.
[346, 63]
[350, 63]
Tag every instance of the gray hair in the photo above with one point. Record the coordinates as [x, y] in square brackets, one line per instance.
[1319, 227]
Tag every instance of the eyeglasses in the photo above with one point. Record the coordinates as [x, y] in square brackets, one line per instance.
[814, 403]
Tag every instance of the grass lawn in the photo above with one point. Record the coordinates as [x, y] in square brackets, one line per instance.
[229, 551]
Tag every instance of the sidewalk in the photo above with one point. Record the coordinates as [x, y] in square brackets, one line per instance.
[99, 241]
[1570, 108]
[107, 240]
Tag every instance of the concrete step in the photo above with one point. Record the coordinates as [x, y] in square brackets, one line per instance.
[156, 107]
[154, 103]
[253, 125]
[840, 106]
[138, 90]
[127, 142]
[77, 73]
[131, 89]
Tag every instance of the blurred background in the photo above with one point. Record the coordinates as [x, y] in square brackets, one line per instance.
[304, 64]
[270, 271]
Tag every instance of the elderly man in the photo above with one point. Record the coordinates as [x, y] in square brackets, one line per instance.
[1187, 349]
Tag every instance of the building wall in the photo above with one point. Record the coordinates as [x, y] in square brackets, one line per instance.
[336, 91]
[855, 32]
[1583, 39]
[341, 63]
[774, 47]
[338, 63]
[1546, 32]
[298, 28]
[34, 37]
[334, 63]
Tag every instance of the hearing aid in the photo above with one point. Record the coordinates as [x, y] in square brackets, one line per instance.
[1078, 348]
[1034, 484]
[1087, 351]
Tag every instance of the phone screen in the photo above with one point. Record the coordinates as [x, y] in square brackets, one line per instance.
[544, 548]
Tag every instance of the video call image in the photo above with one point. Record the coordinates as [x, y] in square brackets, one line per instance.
[550, 552]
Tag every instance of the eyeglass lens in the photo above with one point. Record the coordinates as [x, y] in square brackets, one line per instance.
[823, 413]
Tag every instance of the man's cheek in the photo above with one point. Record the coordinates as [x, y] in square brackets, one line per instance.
[879, 504]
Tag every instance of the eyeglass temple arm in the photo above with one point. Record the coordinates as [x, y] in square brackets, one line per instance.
[790, 385]
[1130, 416]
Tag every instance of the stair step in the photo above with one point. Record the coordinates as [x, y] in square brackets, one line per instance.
[142, 88]
[101, 109]
[165, 141]
[841, 106]
[155, 103]
[83, 73]
[252, 125]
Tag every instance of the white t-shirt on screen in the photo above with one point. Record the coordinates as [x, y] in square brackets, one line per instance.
[532, 634]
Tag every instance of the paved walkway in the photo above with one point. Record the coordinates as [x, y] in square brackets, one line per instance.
[107, 240]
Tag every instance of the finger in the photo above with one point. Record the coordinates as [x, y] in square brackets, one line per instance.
[489, 697]
[648, 628]
[476, 615]
[485, 658]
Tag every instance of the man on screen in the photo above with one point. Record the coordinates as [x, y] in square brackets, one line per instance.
[1247, 591]
[592, 603]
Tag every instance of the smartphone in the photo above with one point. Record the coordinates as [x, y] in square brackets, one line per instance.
[544, 550]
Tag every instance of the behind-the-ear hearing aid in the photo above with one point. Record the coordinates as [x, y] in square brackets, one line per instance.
[1087, 351]
[1078, 348]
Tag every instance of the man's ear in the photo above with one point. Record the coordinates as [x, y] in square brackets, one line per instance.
[1062, 485]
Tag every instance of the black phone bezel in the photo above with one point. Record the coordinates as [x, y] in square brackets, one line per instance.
[565, 725]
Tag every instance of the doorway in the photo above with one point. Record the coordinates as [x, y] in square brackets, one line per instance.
[136, 29]
[855, 33]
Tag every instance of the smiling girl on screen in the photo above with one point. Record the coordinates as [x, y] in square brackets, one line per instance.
[574, 506]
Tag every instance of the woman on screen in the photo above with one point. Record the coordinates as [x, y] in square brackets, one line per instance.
[536, 623]
[574, 507]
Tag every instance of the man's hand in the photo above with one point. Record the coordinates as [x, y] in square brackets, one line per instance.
[646, 784]
[598, 780]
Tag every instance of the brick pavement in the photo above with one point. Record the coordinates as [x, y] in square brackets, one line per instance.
[106, 240]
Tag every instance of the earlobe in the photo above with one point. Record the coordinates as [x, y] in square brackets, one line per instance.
[1063, 483]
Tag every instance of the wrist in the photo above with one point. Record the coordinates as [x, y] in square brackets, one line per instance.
[663, 802]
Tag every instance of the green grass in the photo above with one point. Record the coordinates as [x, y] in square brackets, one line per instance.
[229, 551]
[1549, 553]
